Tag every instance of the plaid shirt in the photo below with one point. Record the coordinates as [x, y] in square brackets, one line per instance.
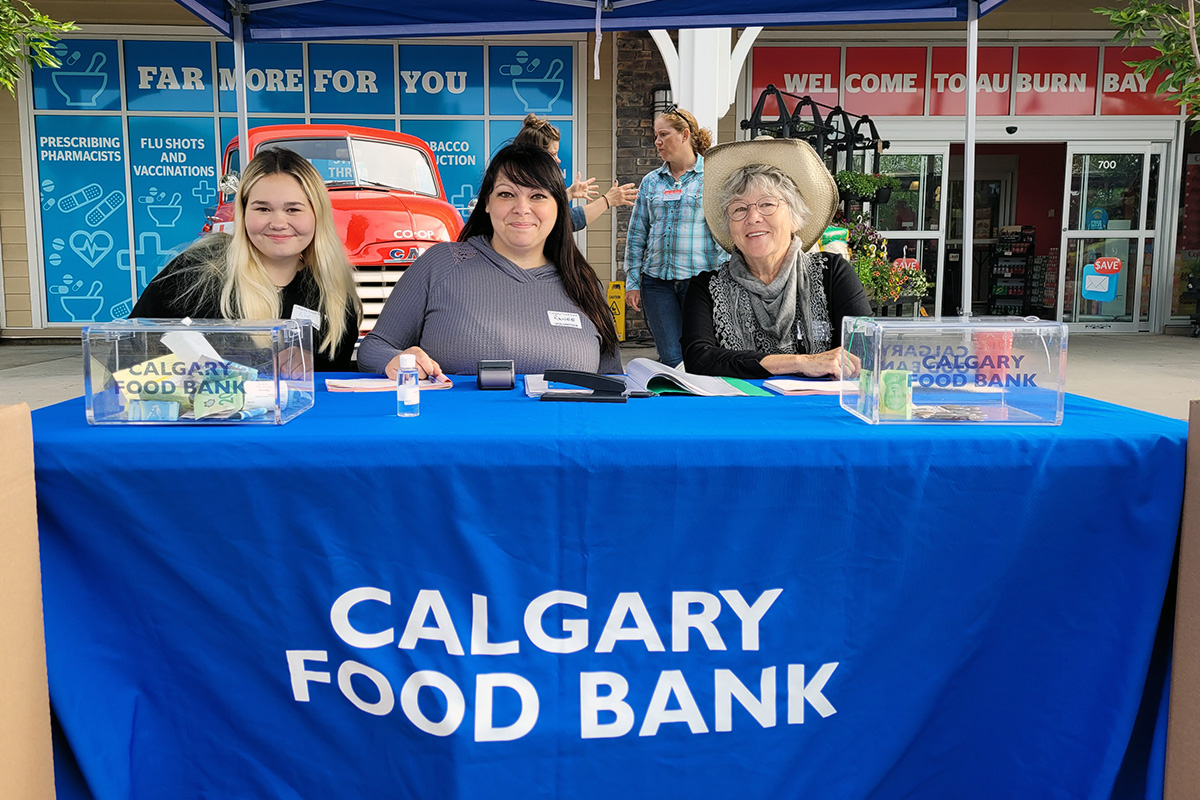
[668, 238]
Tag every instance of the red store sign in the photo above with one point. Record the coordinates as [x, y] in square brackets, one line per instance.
[812, 71]
[894, 81]
[1123, 91]
[1056, 81]
[885, 81]
[948, 89]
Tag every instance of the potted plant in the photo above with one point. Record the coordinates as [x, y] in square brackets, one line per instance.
[876, 188]
[886, 282]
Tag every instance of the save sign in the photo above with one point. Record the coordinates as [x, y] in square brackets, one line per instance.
[1108, 265]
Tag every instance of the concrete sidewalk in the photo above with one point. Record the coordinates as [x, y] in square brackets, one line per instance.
[1160, 374]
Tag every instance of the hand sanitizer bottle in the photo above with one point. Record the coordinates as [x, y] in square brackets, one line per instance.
[408, 392]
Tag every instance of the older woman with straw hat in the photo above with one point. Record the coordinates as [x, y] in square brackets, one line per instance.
[773, 308]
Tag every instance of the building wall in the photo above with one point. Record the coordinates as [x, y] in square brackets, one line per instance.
[601, 150]
[14, 274]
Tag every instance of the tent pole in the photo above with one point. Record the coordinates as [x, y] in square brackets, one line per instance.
[968, 200]
[239, 69]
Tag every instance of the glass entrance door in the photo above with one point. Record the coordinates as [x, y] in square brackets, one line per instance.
[1110, 212]
[913, 218]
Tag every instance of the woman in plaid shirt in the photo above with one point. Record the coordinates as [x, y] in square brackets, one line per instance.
[668, 240]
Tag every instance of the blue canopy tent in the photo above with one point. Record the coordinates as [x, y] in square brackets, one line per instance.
[277, 20]
[306, 20]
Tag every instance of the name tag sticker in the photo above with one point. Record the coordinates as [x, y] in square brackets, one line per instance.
[302, 313]
[672, 195]
[564, 319]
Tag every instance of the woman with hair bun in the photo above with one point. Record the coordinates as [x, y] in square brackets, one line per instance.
[538, 132]
[284, 255]
[668, 241]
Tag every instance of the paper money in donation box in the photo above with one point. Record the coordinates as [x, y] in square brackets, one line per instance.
[200, 372]
[1004, 370]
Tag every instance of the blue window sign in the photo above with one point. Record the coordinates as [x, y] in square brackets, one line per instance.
[173, 172]
[458, 146]
[87, 80]
[1101, 288]
[274, 78]
[168, 76]
[530, 80]
[83, 210]
[1097, 219]
[441, 80]
[351, 79]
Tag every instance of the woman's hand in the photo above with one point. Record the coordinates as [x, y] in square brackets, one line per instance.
[633, 299]
[820, 365]
[621, 195]
[582, 189]
[426, 366]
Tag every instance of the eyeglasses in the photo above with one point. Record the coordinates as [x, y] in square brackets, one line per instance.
[767, 206]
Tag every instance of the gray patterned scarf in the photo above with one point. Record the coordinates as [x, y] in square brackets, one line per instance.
[788, 315]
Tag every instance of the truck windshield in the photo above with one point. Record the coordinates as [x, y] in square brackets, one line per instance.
[366, 162]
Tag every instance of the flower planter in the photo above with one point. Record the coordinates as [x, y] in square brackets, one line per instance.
[895, 308]
[883, 195]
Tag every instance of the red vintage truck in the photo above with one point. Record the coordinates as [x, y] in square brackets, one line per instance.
[388, 202]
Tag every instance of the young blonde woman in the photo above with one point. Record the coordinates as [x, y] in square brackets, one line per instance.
[538, 132]
[668, 241]
[282, 260]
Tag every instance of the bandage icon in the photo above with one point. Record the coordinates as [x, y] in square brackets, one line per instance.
[105, 208]
[80, 197]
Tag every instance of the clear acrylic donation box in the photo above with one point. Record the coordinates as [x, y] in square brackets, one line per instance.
[198, 372]
[999, 371]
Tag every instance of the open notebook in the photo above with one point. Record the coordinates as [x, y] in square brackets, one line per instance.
[644, 375]
[651, 376]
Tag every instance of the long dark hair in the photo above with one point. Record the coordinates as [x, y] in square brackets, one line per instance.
[532, 167]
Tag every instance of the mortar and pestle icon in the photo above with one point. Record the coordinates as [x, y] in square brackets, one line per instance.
[540, 94]
[84, 307]
[81, 88]
[165, 215]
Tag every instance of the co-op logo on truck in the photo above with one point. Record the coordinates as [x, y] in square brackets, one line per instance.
[414, 235]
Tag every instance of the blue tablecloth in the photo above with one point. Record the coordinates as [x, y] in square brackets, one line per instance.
[676, 597]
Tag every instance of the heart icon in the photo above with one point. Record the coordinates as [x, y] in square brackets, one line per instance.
[91, 246]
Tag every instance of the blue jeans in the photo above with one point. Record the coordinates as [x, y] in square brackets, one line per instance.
[662, 302]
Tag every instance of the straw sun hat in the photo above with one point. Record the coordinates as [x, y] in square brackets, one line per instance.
[794, 158]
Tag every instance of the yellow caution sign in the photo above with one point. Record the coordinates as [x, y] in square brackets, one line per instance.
[616, 304]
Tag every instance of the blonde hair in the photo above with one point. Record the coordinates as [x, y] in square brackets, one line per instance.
[238, 276]
[682, 120]
[537, 131]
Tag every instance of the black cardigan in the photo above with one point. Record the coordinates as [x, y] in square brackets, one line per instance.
[702, 354]
[166, 298]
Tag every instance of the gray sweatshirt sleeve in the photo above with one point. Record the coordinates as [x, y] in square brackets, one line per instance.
[403, 317]
[611, 365]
